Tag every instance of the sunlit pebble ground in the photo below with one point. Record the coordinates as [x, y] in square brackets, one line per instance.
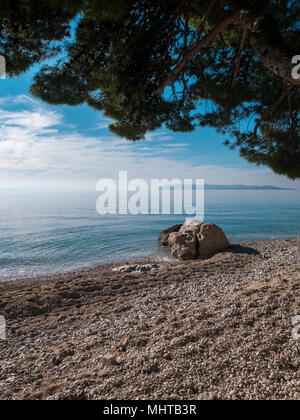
[219, 329]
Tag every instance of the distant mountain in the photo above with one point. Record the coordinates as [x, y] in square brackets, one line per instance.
[247, 187]
[240, 188]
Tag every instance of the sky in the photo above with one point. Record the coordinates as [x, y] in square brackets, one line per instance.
[61, 147]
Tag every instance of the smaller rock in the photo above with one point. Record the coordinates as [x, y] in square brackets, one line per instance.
[148, 267]
[208, 396]
[110, 360]
[59, 356]
[136, 268]
[123, 345]
[125, 269]
[125, 342]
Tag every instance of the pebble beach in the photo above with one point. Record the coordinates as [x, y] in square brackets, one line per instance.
[205, 329]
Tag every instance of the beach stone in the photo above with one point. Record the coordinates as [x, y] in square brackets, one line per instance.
[208, 396]
[125, 269]
[194, 240]
[125, 342]
[148, 267]
[109, 360]
[59, 356]
[136, 268]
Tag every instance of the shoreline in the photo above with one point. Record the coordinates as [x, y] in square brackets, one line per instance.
[87, 269]
[204, 329]
[159, 259]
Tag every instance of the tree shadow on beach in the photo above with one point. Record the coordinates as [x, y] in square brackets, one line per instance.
[240, 249]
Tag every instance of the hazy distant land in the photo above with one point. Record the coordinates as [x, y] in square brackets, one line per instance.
[247, 187]
[239, 188]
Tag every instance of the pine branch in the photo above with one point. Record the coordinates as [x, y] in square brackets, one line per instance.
[207, 13]
[173, 24]
[233, 18]
[238, 64]
[272, 108]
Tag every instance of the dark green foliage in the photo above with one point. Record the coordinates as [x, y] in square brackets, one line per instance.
[277, 148]
[123, 51]
[30, 31]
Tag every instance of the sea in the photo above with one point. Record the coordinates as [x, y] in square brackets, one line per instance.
[47, 233]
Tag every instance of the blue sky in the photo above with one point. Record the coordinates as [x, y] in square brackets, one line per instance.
[42, 146]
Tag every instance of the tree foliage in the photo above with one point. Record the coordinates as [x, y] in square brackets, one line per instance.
[182, 63]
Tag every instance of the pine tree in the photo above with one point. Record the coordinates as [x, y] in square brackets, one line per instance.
[226, 64]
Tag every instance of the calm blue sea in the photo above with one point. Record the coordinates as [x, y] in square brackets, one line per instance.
[48, 233]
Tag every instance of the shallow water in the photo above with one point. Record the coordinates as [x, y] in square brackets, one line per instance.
[48, 233]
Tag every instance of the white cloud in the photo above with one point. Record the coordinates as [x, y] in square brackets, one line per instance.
[103, 124]
[38, 147]
[176, 145]
[19, 100]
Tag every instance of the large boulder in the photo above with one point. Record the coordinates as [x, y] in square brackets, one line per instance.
[164, 235]
[194, 240]
[211, 240]
[184, 246]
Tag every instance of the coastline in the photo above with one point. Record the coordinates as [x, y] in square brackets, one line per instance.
[218, 328]
[163, 258]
